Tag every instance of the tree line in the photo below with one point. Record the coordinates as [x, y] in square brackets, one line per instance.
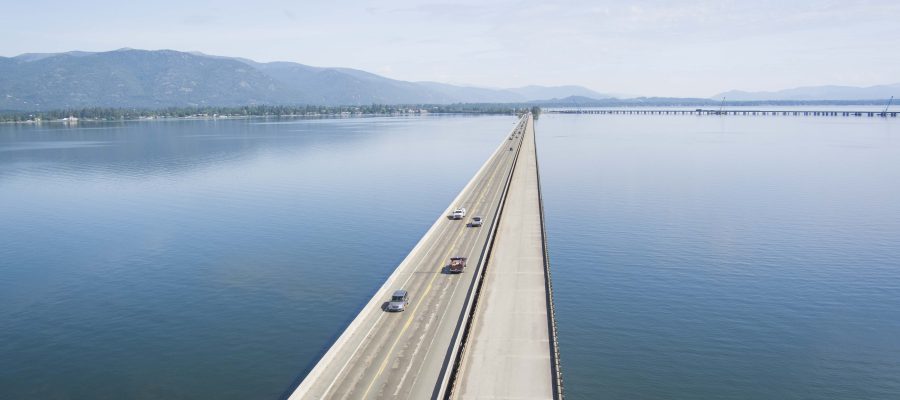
[120, 114]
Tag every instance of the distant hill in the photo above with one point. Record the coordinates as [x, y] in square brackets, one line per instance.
[132, 78]
[39, 56]
[475, 94]
[817, 93]
[582, 101]
[557, 92]
[164, 78]
[570, 100]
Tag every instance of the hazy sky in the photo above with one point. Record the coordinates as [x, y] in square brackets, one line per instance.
[666, 48]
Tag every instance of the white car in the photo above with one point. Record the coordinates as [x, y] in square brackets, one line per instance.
[459, 213]
[476, 221]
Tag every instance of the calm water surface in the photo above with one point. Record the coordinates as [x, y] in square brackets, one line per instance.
[725, 258]
[694, 257]
[207, 259]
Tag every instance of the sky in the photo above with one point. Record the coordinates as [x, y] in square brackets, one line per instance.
[653, 48]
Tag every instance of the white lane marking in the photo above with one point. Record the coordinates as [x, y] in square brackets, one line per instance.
[485, 189]
[452, 294]
[380, 316]
[433, 337]
[419, 343]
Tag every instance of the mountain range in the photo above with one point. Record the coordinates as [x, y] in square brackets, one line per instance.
[130, 78]
[829, 92]
[168, 78]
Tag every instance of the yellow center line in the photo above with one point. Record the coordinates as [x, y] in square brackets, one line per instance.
[408, 321]
[412, 314]
[485, 191]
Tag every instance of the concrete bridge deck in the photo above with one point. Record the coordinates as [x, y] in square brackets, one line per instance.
[412, 354]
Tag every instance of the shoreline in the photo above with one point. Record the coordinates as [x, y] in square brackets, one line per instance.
[76, 121]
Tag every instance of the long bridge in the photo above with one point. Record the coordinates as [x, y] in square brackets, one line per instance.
[488, 332]
[700, 111]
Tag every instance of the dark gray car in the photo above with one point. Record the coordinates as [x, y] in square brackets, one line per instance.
[398, 301]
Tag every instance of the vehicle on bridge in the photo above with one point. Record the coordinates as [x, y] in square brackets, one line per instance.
[457, 265]
[459, 213]
[476, 221]
[399, 301]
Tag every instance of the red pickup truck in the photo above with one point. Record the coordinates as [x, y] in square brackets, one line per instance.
[457, 265]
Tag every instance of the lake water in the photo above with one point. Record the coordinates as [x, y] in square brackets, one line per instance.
[693, 257]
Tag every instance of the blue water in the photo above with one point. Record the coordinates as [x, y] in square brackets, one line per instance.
[725, 258]
[693, 257]
[207, 259]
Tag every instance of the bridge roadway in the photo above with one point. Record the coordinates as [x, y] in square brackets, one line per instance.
[407, 355]
[510, 351]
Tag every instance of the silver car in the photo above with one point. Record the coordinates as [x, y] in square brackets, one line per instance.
[476, 222]
[399, 301]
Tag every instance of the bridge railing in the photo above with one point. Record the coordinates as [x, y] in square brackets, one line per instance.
[556, 362]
